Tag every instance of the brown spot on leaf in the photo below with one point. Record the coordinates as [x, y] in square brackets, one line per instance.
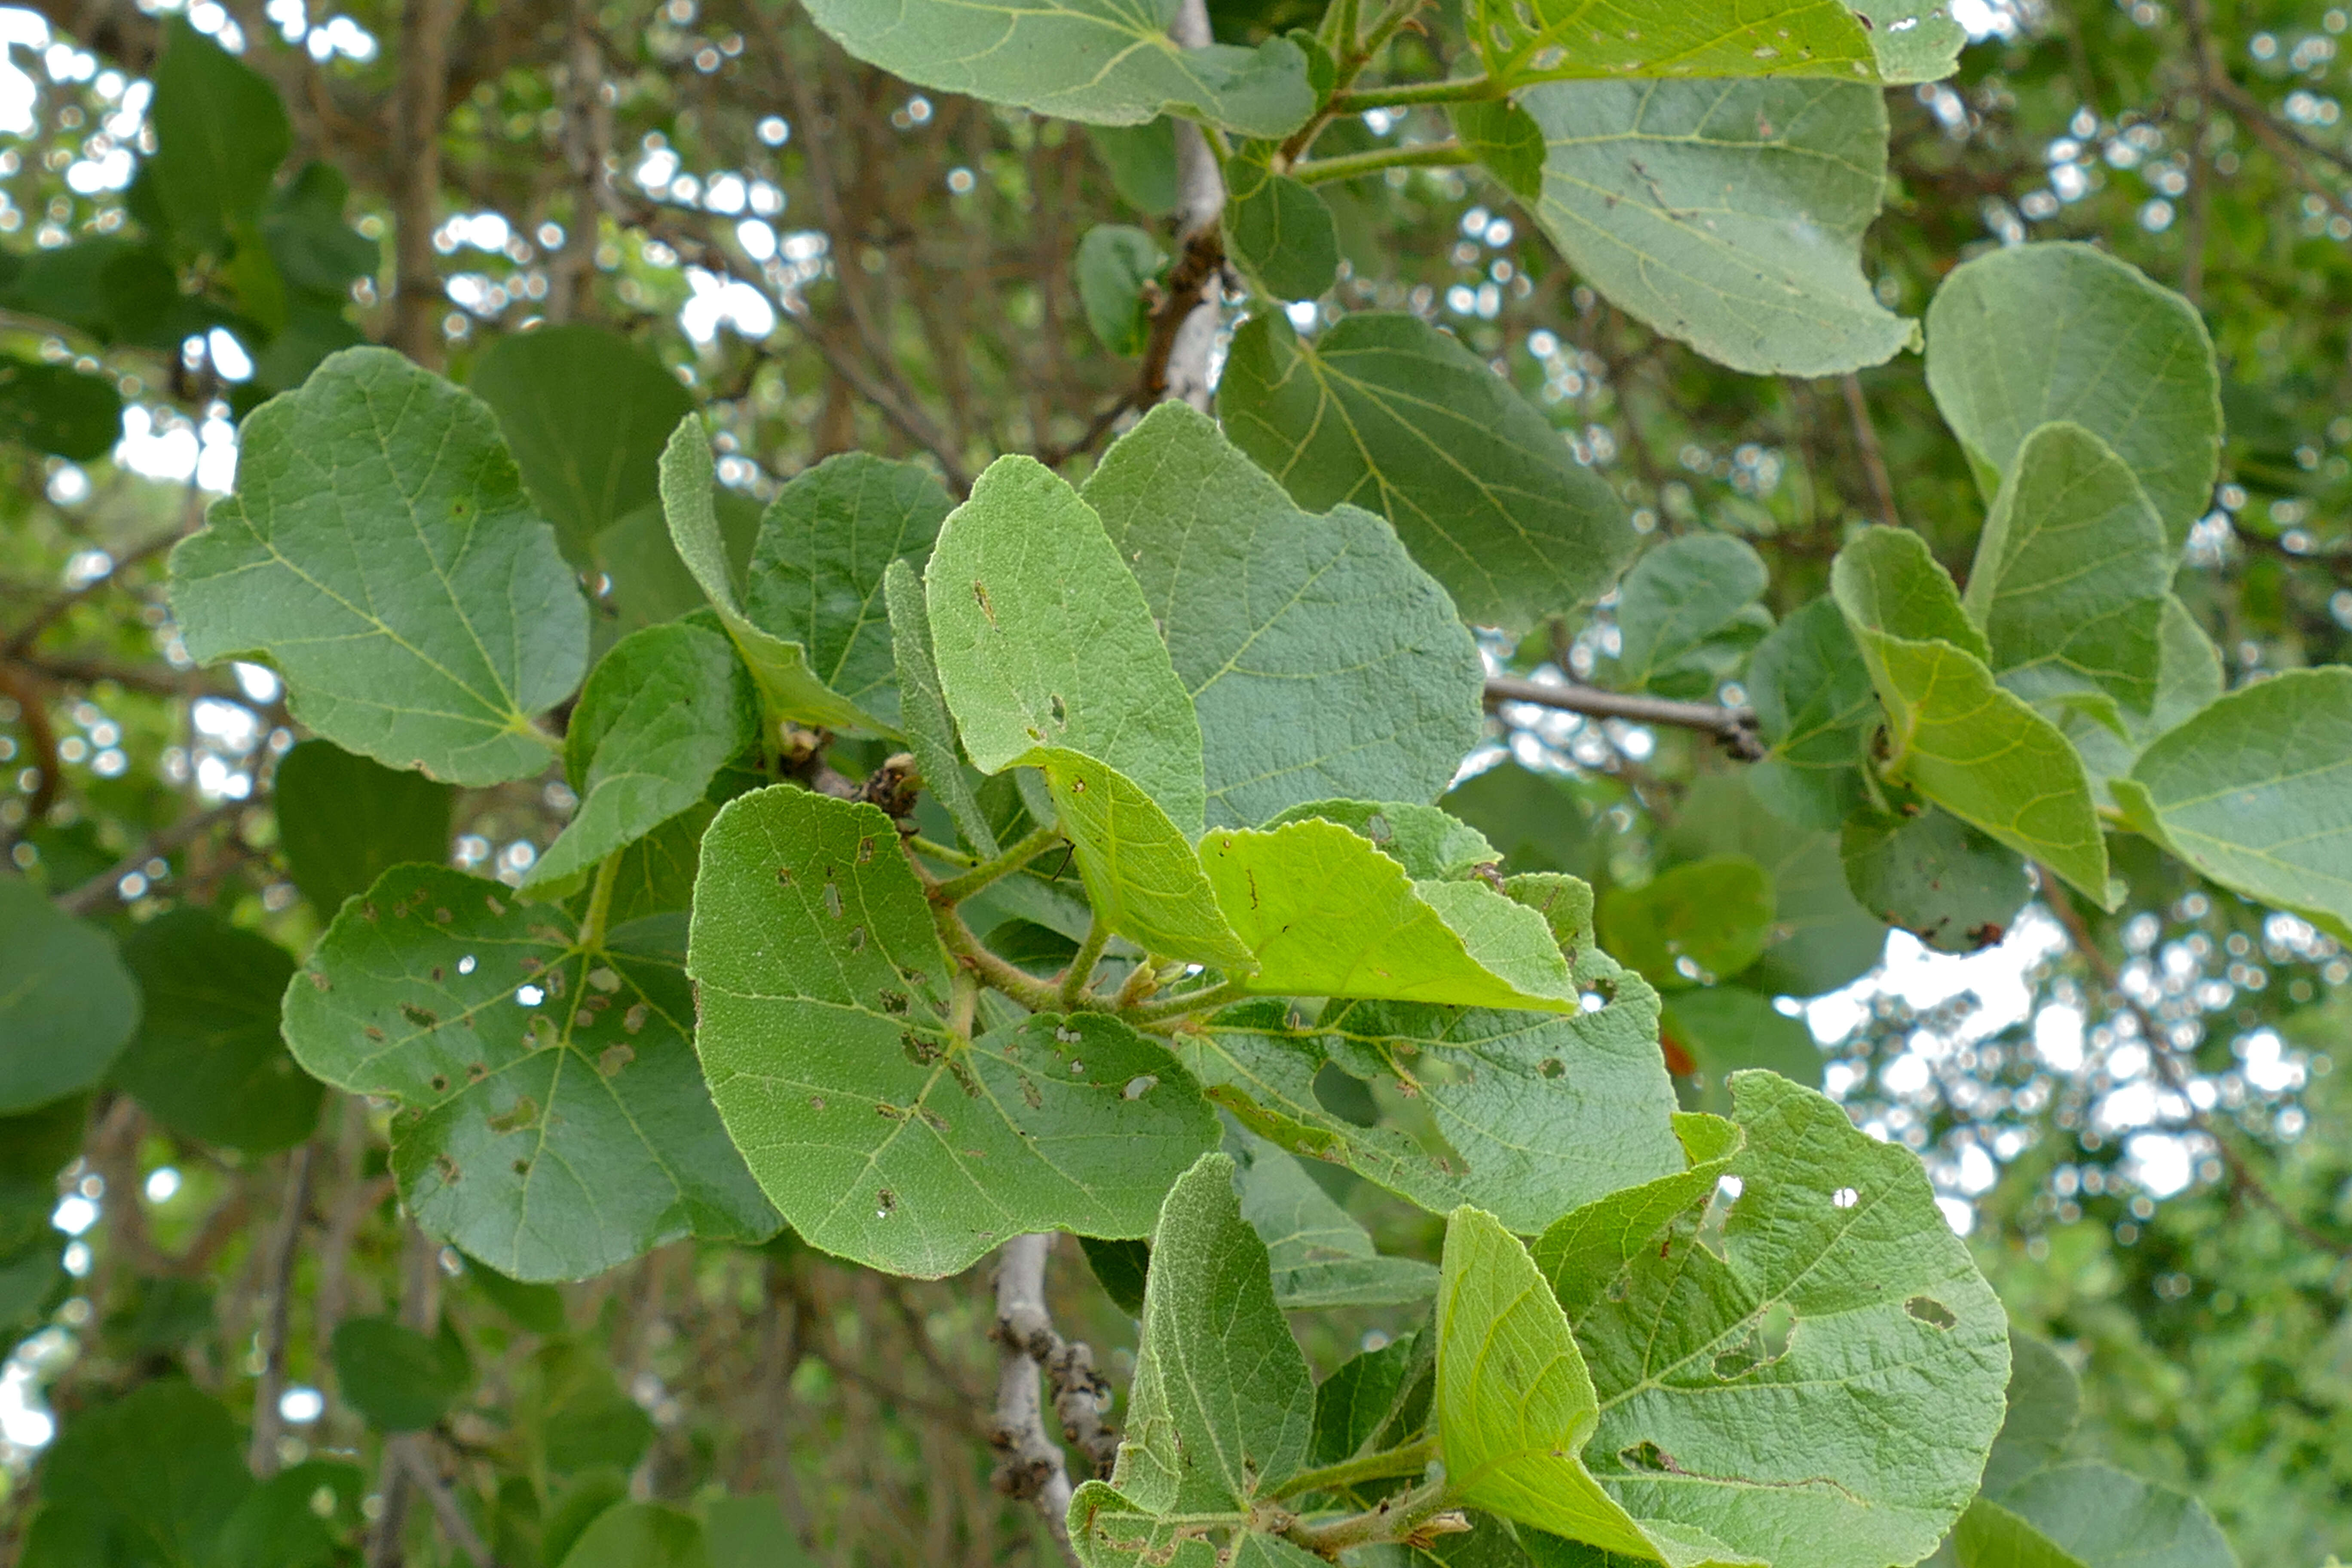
[615, 1057]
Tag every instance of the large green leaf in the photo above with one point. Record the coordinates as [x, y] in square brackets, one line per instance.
[1981, 753]
[1279, 233]
[2072, 575]
[551, 1120]
[792, 690]
[1935, 877]
[1820, 938]
[400, 1380]
[1389, 413]
[660, 715]
[68, 1006]
[1877, 40]
[1815, 709]
[220, 134]
[1223, 1405]
[816, 571]
[1726, 213]
[154, 1476]
[585, 412]
[1430, 844]
[379, 552]
[208, 1061]
[1582, 1252]
[1694, 924]
[1320, 1256]
[2026, 335]
[1675, 606]
[344, 820]
[2188, 677]
[1322, 661]
[1109, 62]
[923, 709]
[2256, 792]
[1824, 1388]
[882, 1133]
[1142, 877]
[56, 409]
[1324, 913]
[2092, 1515]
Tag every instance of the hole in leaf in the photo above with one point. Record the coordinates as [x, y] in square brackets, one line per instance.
[1550, 1067]
[1647, 1455]
[1930, 1311]
[1845, 1198]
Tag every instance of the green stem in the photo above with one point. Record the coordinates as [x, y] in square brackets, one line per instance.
[1140, 984]
[1392, 1519]
[1082, 967]
[1354, 165]
[599, 904]
[1391, 22]
[1405, 95]
[963, 1002]
[955, 889]
[1340, 27]
[940, 852]
[1409, 1460]
[1024, 987]
[1170, 1009]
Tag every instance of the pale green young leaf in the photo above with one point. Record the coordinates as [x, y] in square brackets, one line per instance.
[923, 709]
[1113, 263]
[220, 135]
[1141, 874]
[208, 1061]
[2255, 792]
[1323, 912]
[2026, 335]
[585, 413]
[1824, 1388]
[1820, 938]
[344, 820]
[1322, 661]
[1320, 1256]
[1728, 214]
[824, 546]
[1387, 412]
[1430, 844]
[1991, 1536]
[1278, 231]
[1981, 753]
[882, 1135]
[68, 1005]
[791, 689]
[660, 715]
[1506, 142]
[379, 553]
[1045, 640]
[1102, 61]
[2188, 677]
[1878, 41]
[1935, 877]
[1815, 709]
[1678, 598]
[551, 1119]
[1695, 924]
[2092, 1515]
[2072, 575]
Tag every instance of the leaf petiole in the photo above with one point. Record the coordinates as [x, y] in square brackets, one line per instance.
[1354, 165]
[1460, 89]
[1082, 966]
[955, 889]
[1170, 1010]
[1410, 1460]
[1392, 1519]
[1002, 974]
[599, 904]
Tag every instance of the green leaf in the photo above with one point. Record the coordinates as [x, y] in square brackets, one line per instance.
[1730, 1028]
[1506, 142]
[1515, 1402]
[2253, 792]
[1324, 913]
[551, 1119]
[825, 544]
[55, 408]
[1540, 821]
[1385, 411]
[2072, 575]
[316, 251]
[1142, 877]
[299, 1518]
[1045, 640]
[2188, 677]
[1935, 877]
[220, 134]
[640, 1535]
[1979, 752]
[2095, 1516]
[585, 412]
[1095, 60]
[1678, 600]
[1320, 661]
[791, 689]
[1824, 1388]
[1815, 709]
[750, 1532]
[660, 715]
[1278, 231]
[207, 1060]
[1693, 925]
[1223, 1405]
[343, 821]
[1728, 214]
[379, 553]
[1115, 262]
[1586, 1248]
[1370, 1392]
[881, 1134]
[1142, 163]
[923, 709]
[400, 1380]
[68, 1006]
[1432, 844]
[2044, 1401]
[538, 1307]
[1821, 938]
[1526, 1114]
[1877, 40]
[160, 1471]
[2027, 334]
[1120, 1268]
[1320, 1256]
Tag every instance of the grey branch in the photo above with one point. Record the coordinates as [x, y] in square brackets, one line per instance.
[1735, 727]
[268, 1423]
[1200, 209]
[1030, 1463]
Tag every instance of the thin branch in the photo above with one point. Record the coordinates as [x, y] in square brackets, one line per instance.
[1735, 727]
[41, 737]
[1462, 90]
[955, 889]
[1082, 966]
[276, 1284]
[50, 613]
[1874, 457]
[1030, 1464]
[108, 884]
[911, 421]
[409, 1450]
